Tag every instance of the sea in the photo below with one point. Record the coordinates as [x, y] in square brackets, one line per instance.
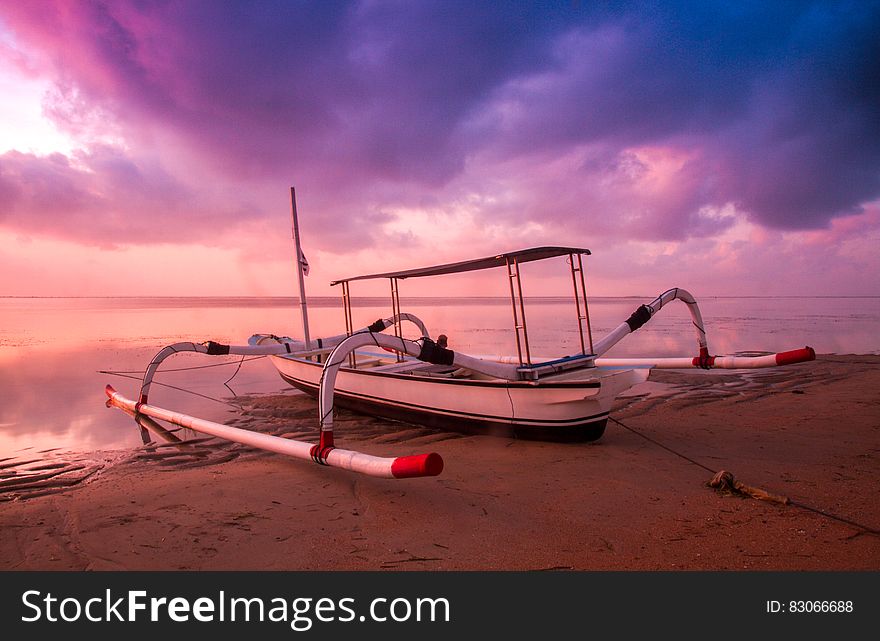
[57, 354]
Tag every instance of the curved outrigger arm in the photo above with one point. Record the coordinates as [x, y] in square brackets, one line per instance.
[704, 360]
[644, 313]
[417, 465]
[379, 326]
[280, 345]
[425, 350]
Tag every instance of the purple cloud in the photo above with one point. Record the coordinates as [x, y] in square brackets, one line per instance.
[367, 106]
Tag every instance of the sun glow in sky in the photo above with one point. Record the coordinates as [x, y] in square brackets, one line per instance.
[23, 126]
[148, 148]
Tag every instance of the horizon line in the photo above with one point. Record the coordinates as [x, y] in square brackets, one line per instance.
[505, 298]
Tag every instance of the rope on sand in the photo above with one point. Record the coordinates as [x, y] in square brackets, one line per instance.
[723, 480]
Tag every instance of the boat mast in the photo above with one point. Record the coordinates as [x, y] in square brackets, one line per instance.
[299, 271]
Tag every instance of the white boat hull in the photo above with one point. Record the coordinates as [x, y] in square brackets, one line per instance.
[571, 406]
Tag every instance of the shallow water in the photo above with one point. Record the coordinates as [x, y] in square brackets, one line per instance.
[52, 350]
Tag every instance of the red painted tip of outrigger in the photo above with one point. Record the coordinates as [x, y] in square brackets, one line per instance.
[796, 356]
[109, 390]
[406, 467]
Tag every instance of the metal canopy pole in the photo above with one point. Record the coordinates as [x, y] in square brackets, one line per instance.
[586, 303]
[346, 308]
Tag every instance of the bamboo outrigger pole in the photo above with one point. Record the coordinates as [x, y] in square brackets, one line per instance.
[397, 468]
[299, 271]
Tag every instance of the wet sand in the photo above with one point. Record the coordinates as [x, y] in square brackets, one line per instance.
[810, 433]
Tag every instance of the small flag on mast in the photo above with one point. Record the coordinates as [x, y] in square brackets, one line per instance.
[304, 264]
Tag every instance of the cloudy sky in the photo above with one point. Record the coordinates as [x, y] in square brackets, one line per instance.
[148, 147]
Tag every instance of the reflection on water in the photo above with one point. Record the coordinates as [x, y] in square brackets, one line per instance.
[51, 350]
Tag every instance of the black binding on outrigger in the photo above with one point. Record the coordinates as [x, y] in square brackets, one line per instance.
[639, 317]
[431, 352]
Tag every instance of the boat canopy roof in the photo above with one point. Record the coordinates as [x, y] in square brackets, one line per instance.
[499, 260]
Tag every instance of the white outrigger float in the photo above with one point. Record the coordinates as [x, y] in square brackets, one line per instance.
[421, 381]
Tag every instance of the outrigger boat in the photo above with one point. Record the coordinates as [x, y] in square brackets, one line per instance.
[372, 371]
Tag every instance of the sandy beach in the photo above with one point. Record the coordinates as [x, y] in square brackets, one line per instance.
[638, 499]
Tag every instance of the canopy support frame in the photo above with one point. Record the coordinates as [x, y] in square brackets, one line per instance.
[519, 320]
[349, 325]
[580, 294]
[395, 313]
